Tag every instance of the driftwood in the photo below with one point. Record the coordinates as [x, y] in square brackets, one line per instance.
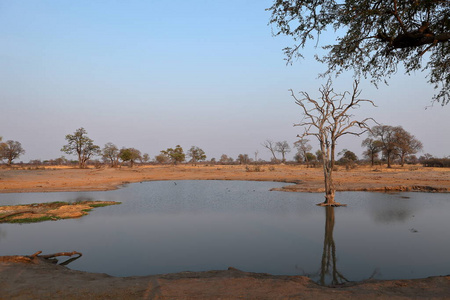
[34, 258]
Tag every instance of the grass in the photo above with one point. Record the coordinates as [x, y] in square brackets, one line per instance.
[32, 220]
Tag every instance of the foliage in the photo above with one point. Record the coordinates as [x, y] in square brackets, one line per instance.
[373, 147]
[395, 141]
[377, 36]
[129, 154]
[348, 155]
[406, 144]
[80, 144]
[224, 159]
[243, 159]
[436, 162]
[328, 119]
[303, 147]
[11, 150]
[196, 154]
[145, 158]
[111, 153]
[175, 155]
[161, 158]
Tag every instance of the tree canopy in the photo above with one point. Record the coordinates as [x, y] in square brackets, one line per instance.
[175, 155]
[196, 154]
[11, 150]
[129, 154]
[79, 143]
[378, 35]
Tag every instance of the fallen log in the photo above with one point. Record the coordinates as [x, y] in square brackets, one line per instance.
[36, 257]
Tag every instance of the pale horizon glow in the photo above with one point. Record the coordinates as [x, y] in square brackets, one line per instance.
[152, 75]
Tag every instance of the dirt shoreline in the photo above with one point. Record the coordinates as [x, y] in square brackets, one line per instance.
[42, 280]
[59, 179]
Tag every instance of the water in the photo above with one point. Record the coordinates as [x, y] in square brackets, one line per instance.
[167, 226]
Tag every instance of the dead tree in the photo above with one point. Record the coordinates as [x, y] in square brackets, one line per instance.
[271, 146]
[328, 119]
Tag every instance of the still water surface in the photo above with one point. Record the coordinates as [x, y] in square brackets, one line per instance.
[164, 227]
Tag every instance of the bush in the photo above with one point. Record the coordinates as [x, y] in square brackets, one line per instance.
[255, 168]
[437, 162]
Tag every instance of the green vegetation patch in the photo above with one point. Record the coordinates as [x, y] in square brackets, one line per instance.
[31, 220]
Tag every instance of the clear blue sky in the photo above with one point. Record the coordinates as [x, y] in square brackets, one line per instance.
[154, 74]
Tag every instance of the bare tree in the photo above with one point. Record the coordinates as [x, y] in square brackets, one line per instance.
[328, 119]
[10, 150]
[268, 144]
[303, 147]
[283, 147]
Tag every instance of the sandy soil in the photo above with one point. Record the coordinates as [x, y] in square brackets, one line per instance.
[307, 179]
[38, 279]
[48, 211]
[42, 280]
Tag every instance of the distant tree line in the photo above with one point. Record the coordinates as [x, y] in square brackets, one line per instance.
[384, 144]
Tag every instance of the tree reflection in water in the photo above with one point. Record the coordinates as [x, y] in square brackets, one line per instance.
[329, 274]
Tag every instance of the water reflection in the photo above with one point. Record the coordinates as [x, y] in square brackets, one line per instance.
[329, 273]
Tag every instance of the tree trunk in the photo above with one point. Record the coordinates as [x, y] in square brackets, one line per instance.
[388, 160]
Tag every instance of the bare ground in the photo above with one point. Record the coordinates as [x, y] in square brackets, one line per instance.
[41, 280]
[306, 179]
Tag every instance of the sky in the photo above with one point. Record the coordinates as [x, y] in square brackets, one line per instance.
[156, 74]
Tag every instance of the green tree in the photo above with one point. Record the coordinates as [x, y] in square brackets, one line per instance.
[110, 153]
[348, 155]
[376, 36]
[196, 154]
[328, 119]
[130, 154]
[11, 150]
[175, 155]
[80, 144]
